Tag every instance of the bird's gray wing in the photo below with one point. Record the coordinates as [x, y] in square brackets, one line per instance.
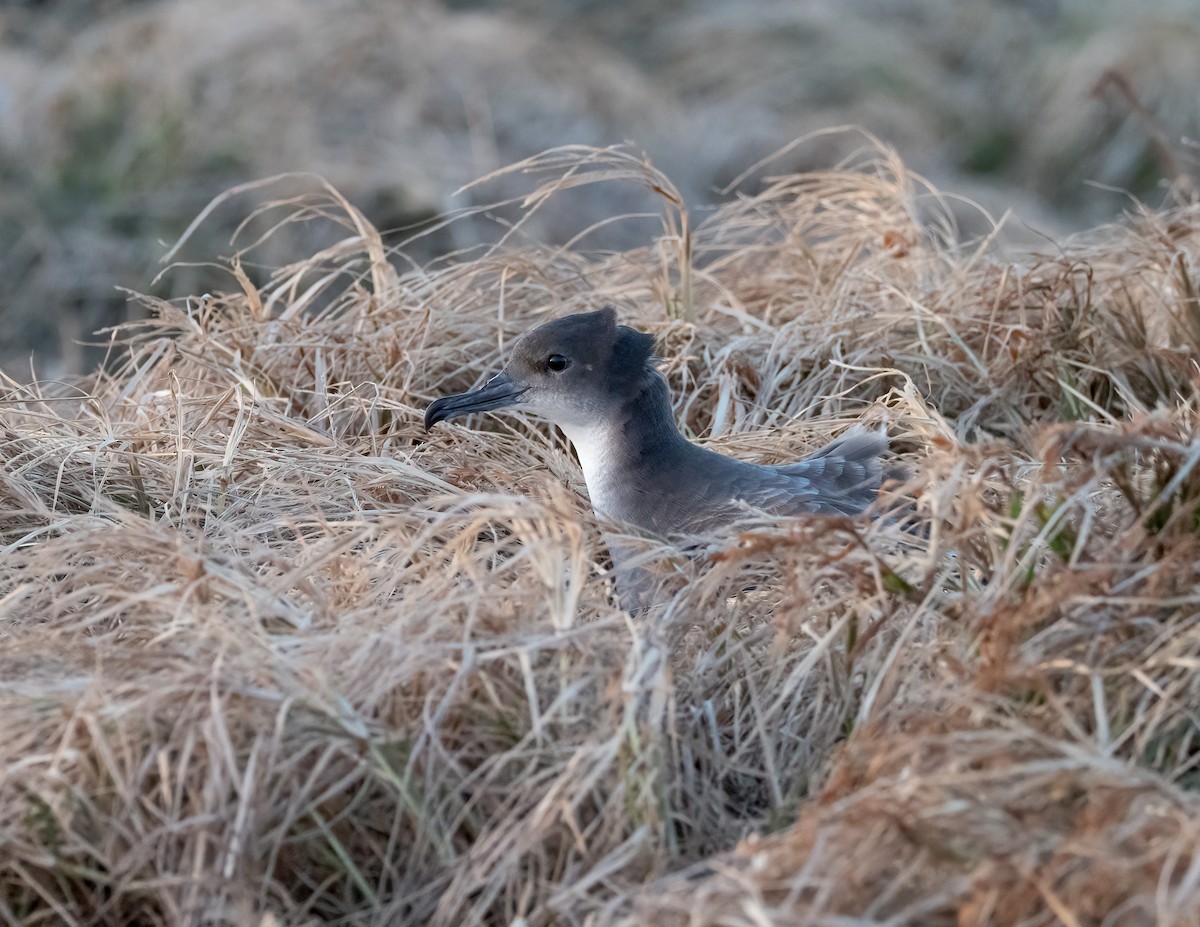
[845, 475]
[709, 491]
[727, 491]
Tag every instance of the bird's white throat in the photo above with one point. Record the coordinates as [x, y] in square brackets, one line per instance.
[594, 445]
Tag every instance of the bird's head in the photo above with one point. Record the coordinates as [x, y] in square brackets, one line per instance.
[569, 371]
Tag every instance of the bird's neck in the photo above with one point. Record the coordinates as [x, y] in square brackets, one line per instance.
[635, 436]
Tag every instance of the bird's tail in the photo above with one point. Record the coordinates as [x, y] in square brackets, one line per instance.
[849, 471]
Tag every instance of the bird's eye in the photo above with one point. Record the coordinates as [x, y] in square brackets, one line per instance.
[558, 363]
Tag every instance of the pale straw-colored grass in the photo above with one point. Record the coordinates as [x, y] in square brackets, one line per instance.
[270, 654]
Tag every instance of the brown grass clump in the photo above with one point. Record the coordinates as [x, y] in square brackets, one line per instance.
[272, 655]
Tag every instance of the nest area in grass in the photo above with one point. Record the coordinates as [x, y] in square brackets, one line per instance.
[270, 654]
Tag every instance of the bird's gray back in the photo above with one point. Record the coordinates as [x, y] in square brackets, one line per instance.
[701, 491]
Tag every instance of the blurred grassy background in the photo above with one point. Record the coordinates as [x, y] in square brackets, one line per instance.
[121, 119]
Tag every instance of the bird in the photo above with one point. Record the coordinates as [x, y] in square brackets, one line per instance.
[596, 379]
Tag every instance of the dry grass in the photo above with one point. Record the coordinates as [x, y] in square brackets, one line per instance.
[272, 655]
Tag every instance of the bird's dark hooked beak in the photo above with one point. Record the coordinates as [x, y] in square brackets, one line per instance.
[498, 392]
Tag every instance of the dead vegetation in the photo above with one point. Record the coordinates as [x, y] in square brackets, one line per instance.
[119, 119]
[270, 654]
